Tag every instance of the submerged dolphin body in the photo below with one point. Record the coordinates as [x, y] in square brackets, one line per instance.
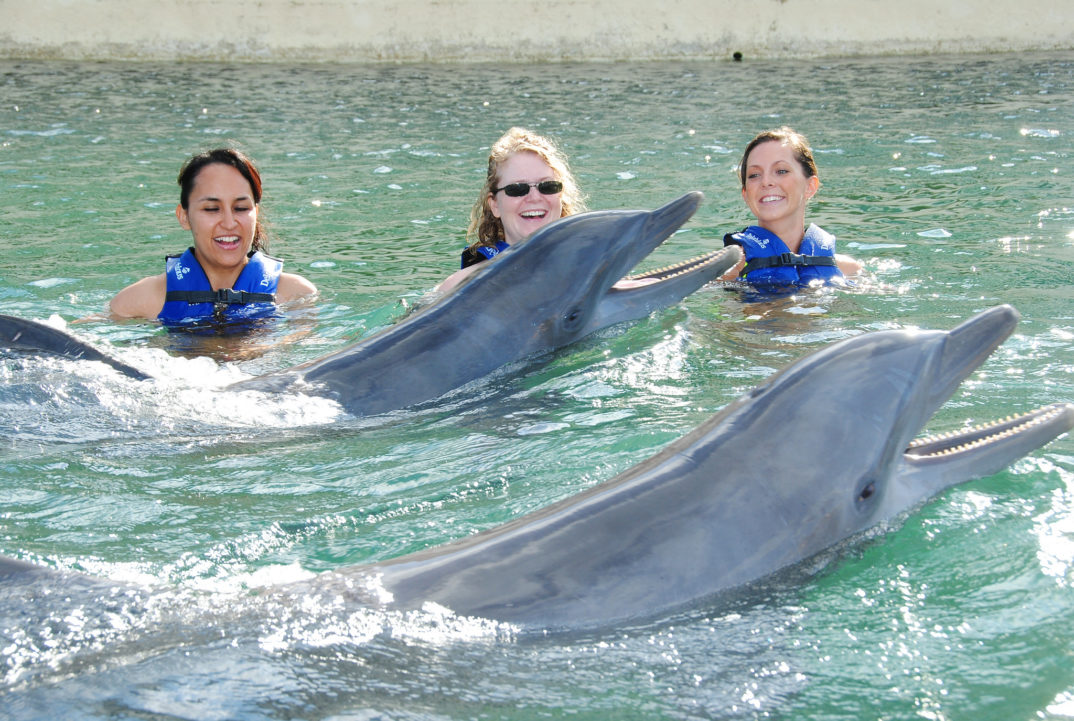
[556, 287]
[821, 451]
[726, 505]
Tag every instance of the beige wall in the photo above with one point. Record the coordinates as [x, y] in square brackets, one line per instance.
[483, 30]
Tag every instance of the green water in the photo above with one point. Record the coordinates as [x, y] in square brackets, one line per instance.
[949, 177]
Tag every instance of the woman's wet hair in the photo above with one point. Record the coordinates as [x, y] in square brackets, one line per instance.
[485, 228]
[786, 136]
[236, 159]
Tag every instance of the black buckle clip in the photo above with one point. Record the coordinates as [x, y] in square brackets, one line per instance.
[230, 296]
[791, 259]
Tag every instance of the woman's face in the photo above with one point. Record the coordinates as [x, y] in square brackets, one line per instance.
[222, 217]
[521, 217]
[776, 188]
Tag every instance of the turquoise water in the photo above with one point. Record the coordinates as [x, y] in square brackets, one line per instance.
[949, 177]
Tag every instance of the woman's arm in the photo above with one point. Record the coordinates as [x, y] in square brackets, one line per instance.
[457, 277]
[733, 273]
[847, 265]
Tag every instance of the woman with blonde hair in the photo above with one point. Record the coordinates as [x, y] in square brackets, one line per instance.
[529, 184]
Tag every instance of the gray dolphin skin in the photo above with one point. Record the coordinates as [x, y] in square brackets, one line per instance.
[30, 336]
[546, 292]
[550, 290]
[736, 500]
[726, 505]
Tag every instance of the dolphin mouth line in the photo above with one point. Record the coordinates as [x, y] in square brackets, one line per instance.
[946, 445]
[687, 266]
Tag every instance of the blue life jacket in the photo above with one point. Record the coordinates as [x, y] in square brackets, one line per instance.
[771, 265]
[470, 257]
[190, 297]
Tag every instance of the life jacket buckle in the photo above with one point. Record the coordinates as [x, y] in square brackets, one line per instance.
[791, 259]
[229, 296]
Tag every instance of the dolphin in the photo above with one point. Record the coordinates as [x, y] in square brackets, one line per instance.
[566, 281]
[556, 287]
[820, 452]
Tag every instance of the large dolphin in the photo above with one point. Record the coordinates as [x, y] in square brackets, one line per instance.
[819, 452]
[563, 283]
[816, 454]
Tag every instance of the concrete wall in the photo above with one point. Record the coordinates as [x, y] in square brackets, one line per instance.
[545, 30]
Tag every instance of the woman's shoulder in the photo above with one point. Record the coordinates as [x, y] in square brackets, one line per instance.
[142, 299]
[848, 265]
[292, 286]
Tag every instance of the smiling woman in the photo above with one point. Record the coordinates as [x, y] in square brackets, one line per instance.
[226, 274]
[528, 185]
[779, 177]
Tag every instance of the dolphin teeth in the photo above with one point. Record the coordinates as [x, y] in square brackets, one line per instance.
[676, 269]
[955, 442]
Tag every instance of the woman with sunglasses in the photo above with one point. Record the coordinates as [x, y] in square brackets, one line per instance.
[529, 184]
[225, 275]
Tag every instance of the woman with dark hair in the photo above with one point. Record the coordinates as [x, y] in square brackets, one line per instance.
[226, 274]
[779, 177]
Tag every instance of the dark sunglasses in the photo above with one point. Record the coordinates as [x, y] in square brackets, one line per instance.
[517, 190]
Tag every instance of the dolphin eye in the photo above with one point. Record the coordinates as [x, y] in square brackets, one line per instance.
[571, 322]
[868, 491]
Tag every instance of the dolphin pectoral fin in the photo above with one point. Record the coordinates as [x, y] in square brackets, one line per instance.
[637, 296]
[30, 336]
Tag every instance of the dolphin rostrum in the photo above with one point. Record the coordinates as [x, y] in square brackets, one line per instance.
[819, 452]
[561, 284]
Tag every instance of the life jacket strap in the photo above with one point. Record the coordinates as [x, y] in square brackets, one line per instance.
[787, 259]
[224, 296]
